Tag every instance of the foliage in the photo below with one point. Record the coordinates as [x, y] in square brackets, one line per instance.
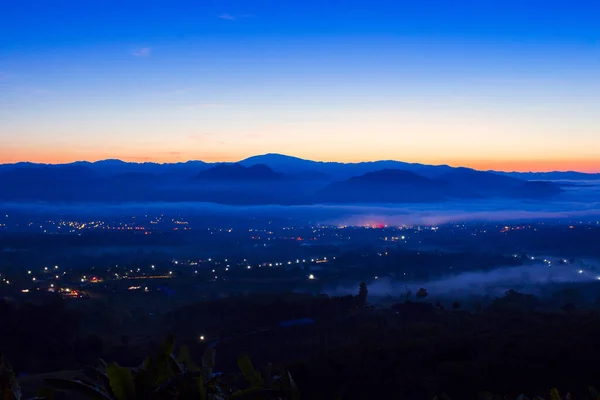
[422, 293]
[165, 376]
[363, 293]
[515, 300]
[9, 388]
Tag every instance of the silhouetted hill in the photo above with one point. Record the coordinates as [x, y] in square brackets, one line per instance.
[399, 186]
[237, 172]
[338, 170]
[45, 173]
[270, 178]
[536, 190]
[388, 186]
[113, 167]
[466, 182]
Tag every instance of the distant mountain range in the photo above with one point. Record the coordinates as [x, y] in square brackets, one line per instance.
[271, 179]
[238, 172]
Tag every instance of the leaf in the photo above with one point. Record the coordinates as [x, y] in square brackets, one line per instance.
[147, 364]
[485, 396]
[522, 397]
[554, 395]
[91, 392]
[269, 374]
[168, 346]
[260, 394]
[294, 387]
[121, 382]
[201, 388]
[93, 373]
[164, 366]
[208, 363]
[185, 359]
[96, 375]
[174, 365]
[45, 393]
[179, 384]
[251, 375]
[594, 393]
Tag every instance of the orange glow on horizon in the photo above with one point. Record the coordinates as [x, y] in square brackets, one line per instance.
[538, 165]
[582, 165]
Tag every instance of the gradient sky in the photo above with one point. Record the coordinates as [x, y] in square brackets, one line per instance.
[505, 84]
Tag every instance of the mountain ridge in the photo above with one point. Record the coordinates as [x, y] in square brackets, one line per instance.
[271, 159]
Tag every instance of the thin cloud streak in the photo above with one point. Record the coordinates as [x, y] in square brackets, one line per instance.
[202, 106]
[231, 17]
[142, 52]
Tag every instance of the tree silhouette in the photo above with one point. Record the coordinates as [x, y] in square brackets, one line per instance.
[422, 293]
[363, 293]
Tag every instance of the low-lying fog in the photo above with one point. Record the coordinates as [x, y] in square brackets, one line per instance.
[579, 202]
[533, 279]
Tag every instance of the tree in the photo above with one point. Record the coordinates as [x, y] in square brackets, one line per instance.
[363, 293]
[569, 308]
[422, 293]
[455, 305]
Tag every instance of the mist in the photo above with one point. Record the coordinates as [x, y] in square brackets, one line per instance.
[532, 279]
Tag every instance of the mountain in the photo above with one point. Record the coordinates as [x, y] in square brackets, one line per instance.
[45, 174]
[44, 182]
[111, 167]
[554, 176]
[466, 182]
[400, 186]
[535, 190]
[238, 172]
[293, 166]
[269, 179]
[384, 186]
[337, 170]
[280, 162]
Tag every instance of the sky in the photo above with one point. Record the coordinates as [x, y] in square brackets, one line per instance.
[490, 84]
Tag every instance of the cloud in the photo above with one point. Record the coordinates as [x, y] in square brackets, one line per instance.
[228, 17]
[142, 52]
[202, 106]
[181, 91]
[231, 17]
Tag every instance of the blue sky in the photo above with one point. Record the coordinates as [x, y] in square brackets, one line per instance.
[498, 84]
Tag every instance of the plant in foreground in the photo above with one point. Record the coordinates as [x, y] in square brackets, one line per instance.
[166, 376]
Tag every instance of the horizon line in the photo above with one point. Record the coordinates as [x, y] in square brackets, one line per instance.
[294, 157]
